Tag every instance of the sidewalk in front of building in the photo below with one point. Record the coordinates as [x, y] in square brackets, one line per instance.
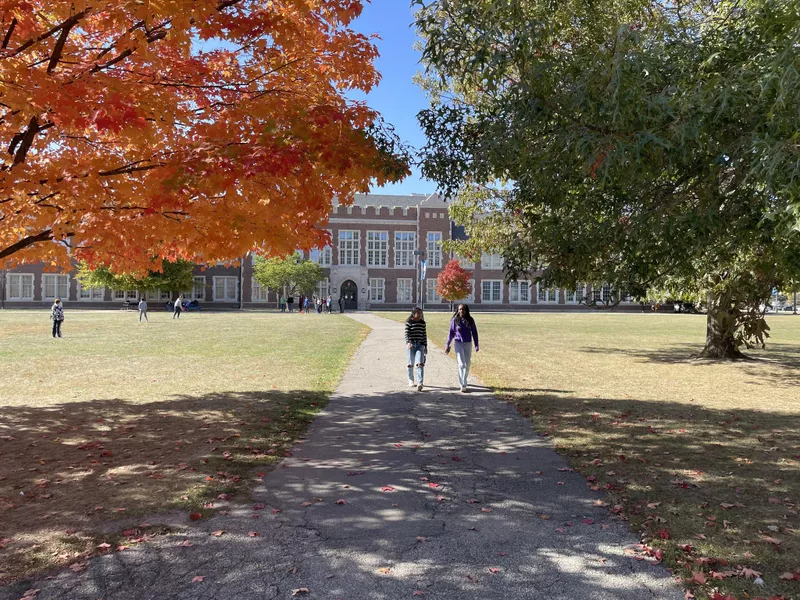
[395, 494]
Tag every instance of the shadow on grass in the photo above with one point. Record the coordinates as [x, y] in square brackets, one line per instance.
[439, 492]
[783, 360]
[680, 471]
[73, 472]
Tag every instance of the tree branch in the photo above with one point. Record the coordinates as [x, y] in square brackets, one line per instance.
[9, 32]
[25, 140]
[43, 236]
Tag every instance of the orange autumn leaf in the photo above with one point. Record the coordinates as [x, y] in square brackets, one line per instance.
[189, 129]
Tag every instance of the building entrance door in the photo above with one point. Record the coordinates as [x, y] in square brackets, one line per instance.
[349, 295]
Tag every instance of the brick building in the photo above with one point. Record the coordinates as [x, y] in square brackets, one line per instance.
[374, 262]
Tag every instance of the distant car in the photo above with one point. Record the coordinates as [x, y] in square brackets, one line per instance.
[788, 309]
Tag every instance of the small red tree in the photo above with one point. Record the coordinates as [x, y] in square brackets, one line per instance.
[453, 282]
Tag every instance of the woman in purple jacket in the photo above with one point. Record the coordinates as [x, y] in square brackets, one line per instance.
[465, 334]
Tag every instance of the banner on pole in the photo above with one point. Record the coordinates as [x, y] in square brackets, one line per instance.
[423, 267]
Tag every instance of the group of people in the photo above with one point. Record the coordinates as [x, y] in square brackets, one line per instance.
[463, 336]
[306, 304]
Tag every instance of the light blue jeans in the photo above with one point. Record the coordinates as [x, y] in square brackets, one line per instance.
[416, 357]
[463, 358]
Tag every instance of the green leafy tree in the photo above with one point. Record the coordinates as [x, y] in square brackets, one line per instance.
[453, 283]
[649, 145]
[175, 278]
[291, 275]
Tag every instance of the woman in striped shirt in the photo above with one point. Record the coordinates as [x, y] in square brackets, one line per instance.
[417, 346]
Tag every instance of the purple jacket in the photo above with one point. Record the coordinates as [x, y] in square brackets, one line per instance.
[462, 332]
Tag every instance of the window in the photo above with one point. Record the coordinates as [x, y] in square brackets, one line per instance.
[602, 293]
[226, 289]
[431, 297]
[519, 292]
[491, 291]
[128, 295]
[324, 288]
[199, 287]
[376, 289]
[547, 295]
[349, 247]
[55, 286]
[322, 256]
[575, 296]
[434, 249]
[91, 294]
[404, 246]
[152, 295]
[608, 294]
[491, 261]
[258, 293]
[378, 248]
[20, 286]
[405, 290]
[465, 262]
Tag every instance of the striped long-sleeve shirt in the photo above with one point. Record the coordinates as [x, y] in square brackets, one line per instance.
[416, 332]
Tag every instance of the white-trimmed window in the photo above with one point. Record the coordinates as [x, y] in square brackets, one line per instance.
[519, 292]
[491, 291]
[377, 288]
[465, 262]
[199, 287]
[602, 293]
[129, 295]
[378, 248]
[322, 256]
[547, 295]
[226, 289]
[152, 295]
[491, 261]
[349, 247]
[431, 296]
[575, 296]
[405, 290]
[90, 294]
[324, 288]
[434, 249]
[471, 298]
[405, 243]
[258, 293]
[55, 286]
[19, 286]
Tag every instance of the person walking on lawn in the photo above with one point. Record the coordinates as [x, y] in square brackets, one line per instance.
[57, 314]
[464, 332]
[178, 307]
[143, 310]
[417, 346]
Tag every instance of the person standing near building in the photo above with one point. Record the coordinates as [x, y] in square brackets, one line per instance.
[341, 305]
[57, 314]
[143, 310]
[328, 303]
[283, 303]
[464, 334]
[178, 307]
[290, 302]
[417, 346]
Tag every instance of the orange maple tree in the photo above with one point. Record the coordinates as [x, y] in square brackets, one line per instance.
[141, 130]
[453, 282]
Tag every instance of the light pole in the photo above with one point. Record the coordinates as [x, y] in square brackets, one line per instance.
[420, 275]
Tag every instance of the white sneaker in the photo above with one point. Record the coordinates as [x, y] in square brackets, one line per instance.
[463, 388]
[419, 387]
[411, 383]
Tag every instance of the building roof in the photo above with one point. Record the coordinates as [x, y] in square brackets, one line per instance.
[405, 201]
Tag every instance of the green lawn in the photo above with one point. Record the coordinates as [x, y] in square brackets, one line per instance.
[703, 458]
[120, 420]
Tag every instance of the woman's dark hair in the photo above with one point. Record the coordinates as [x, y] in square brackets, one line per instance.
[466, 316]
[414, 311]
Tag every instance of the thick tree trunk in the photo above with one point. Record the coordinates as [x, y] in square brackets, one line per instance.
[721, 330]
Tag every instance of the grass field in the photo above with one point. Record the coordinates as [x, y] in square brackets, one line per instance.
[703, 458]
[118, 421]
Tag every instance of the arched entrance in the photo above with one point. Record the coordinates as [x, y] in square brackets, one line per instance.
[349, 295]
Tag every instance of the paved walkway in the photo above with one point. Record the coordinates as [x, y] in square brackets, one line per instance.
[395, 494]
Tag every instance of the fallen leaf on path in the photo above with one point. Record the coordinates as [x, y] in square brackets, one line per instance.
[418, 593]
[698, 577]
[384, 570]
[198, 578]
[252, 534]
[302, 590]
[494, 570]
[217, 533]
[747, 572]
[185, 544]
[341, 501]
[387, 488]
[485, 509]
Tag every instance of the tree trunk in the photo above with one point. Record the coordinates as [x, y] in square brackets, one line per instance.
[721, 330]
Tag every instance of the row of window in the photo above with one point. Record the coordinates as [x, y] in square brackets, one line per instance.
[20, 286]
[405, 243]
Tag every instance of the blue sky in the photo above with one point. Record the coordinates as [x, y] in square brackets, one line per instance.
[396, 98]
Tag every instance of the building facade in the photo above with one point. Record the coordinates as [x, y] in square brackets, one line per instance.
[374, 262]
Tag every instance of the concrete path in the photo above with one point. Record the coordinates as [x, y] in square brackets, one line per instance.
[394, 494]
